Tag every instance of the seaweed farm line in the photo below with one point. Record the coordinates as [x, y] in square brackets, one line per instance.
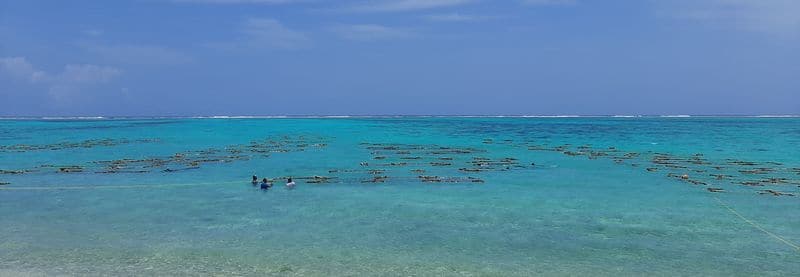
[693, 169]
[401, 196]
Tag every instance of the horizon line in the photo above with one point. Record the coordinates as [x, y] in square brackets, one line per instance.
[98, 117]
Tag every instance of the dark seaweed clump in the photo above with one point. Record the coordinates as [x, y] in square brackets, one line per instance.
[68, 145]
[176, 162]
[460, 161]
[693, 169]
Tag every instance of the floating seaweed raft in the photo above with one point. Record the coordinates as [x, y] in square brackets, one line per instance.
[183, 161]
[694, 169]
[431, 163]
[69, 145]
[455, 160]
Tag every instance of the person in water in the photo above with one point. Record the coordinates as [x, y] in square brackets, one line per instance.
[255, 180]
[290, 184]
[265, 185]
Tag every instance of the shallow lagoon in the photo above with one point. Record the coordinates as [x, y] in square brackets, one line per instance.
[559, 196]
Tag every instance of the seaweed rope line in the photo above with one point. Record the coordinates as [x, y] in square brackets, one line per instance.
[120, 186]
[333, 181]
[779, 238]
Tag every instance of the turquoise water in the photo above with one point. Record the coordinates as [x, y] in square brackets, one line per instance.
[401, 196]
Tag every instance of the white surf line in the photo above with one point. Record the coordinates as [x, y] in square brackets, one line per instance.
[122, 186]
[779, 238]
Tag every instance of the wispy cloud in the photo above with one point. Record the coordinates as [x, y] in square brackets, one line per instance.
[370, 32]
[265, 33]
[404, 5]
[72, 78]
[20, 68]
[775, 17]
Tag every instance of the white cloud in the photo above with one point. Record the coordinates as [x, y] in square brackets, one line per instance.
[74, 76]
[776, 17]
[265, 33]
[404, 5]
[370, 32]
[20, 68]
[138, 54]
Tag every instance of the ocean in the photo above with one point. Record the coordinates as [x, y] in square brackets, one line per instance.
[388, 196]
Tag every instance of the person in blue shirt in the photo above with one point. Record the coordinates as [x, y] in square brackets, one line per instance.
[265, 185]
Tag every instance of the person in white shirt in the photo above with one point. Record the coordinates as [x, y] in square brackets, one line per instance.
[290, 184]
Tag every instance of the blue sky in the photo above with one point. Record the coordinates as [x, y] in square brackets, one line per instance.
[318, 57]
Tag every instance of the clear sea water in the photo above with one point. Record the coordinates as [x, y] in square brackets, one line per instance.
[559, 196]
